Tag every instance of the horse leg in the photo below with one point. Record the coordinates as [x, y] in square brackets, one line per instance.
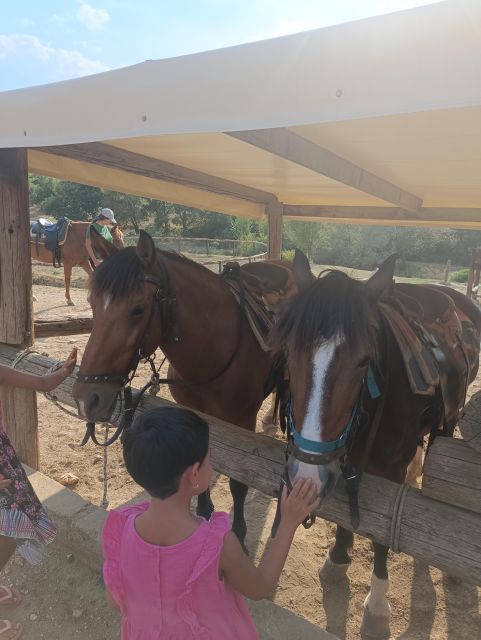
[239, 493]
[377, 611]
[415, 467]
[205, 506]
[338, 561]
[67, 272]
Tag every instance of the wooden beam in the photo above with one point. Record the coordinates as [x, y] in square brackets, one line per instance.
[63, 327]
[452, 474]
[274, 236]
[16, 327]
[441, 535]
[106, 155]
[389, 216]
[290, 146]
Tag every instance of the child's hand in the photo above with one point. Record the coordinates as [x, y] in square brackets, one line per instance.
[299, 503]
[69, 364]
[52, 380]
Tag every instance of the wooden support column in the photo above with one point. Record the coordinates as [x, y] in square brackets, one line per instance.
[16, 326]
[274, 221]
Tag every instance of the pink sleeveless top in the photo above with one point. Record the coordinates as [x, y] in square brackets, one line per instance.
[174, 592]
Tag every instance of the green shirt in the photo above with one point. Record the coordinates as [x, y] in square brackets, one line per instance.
[102, 229]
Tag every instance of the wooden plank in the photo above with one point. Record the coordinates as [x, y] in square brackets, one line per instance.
[290, 146]
[452, 474]
[470, 422]
[106, 155]
[274, 219]
[16, 326]
[425, 216]
[64, 327]
[439, 534]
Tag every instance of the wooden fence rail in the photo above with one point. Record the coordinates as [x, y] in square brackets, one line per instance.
[439, 534]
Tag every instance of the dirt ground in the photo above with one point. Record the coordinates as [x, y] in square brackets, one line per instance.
[64, 600]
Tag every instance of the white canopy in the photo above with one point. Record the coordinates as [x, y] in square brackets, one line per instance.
[376, 121]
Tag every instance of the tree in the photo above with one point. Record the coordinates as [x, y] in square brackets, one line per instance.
[306, 236]
[62, 198]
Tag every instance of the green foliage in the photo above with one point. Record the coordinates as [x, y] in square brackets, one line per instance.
[288, 255]
[58, 198]
[460, 276]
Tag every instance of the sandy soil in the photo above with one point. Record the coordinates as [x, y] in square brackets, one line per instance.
[425, 604]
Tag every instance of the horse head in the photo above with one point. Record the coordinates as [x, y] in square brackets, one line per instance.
[123, 296]
[330, 337]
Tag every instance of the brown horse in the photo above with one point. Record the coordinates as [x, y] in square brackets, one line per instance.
[354, 403]
[73, 252]
[143, 298]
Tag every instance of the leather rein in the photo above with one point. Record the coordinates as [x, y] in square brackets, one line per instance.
[165, 301]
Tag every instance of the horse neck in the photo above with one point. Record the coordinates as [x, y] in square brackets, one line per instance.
[208, 320]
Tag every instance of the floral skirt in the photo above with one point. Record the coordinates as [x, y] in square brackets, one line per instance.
[21, 515]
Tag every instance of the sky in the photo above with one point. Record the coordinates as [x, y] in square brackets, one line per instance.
[44, 41]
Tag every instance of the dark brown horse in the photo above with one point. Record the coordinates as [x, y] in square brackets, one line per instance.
[143, 298]
[73, 252]
[374, 367]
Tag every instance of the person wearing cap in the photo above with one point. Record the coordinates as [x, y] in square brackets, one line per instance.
[101, 224]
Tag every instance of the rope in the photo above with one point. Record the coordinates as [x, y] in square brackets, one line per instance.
[397, 517]
[104, 503]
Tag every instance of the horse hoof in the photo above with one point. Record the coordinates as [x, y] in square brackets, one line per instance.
[331, 573]
[375, 627]
[70, 303]
[34, 299]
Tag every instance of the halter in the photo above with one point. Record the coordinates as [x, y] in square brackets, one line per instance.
[318, 453]
[166, 302]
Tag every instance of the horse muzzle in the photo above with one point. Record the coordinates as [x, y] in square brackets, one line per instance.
[96, 402]
[324, 476]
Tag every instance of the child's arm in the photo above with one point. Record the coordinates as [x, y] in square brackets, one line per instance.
[13, 378]
[259, 582]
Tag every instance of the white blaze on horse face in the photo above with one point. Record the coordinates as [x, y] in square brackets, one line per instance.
[312, 428]
[107, 301]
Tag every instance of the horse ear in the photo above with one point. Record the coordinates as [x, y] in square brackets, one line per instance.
[146, 249]
[102, 247]
[302, 270]
[382, 279]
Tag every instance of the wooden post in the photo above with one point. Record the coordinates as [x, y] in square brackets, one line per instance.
[16, 326]
[274, 220]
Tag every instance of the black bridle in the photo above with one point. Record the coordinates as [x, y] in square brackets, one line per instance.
[165, 301]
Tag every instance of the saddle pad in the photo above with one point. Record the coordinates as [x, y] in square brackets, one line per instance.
[421, 365]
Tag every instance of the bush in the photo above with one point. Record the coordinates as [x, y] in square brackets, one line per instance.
[460, 276]
[288, 255]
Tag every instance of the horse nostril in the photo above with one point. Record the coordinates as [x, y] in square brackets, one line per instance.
[93, 402]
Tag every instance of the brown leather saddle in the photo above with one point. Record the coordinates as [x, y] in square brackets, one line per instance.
[437, 330]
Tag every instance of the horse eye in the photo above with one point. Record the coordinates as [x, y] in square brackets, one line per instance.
[137, 311]
[364, 362]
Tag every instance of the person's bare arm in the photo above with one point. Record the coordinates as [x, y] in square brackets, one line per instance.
[259, 582]
[22, 380]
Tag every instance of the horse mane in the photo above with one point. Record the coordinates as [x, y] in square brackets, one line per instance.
[122, 273]
[333, 305]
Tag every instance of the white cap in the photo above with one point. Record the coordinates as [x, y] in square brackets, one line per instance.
[109, 214]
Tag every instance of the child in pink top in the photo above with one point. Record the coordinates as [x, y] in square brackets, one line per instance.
[173, 575]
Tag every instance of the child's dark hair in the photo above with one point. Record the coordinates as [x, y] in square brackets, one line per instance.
[161, 444]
